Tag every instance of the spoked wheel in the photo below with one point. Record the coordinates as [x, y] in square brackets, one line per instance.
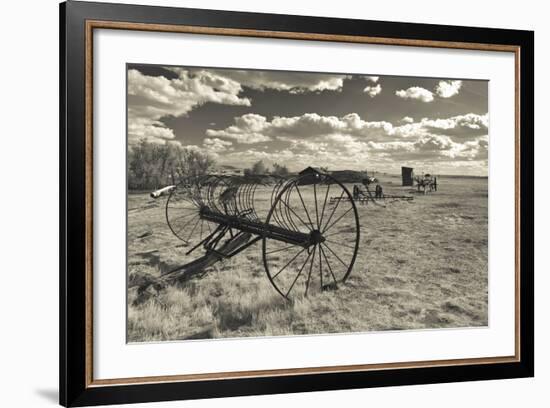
[321, 207]
[183, 211]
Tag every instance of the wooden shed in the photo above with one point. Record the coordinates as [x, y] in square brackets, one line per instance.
[407, 175]
[310, 175]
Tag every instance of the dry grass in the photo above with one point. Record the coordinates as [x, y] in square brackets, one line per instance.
[420, 265]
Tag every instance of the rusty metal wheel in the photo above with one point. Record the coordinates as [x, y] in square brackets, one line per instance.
[323, 208]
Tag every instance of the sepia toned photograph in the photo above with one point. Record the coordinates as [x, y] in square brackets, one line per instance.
[280, 203]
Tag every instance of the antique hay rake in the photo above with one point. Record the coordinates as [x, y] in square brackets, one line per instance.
[309, 242]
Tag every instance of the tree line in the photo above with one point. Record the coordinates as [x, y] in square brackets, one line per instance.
[261, 168]
[152, 165]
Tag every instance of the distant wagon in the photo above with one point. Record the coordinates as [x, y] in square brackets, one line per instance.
[426, 183]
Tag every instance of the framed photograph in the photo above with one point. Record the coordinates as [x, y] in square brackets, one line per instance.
[257, 204]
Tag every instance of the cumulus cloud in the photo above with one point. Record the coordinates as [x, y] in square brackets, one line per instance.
[253, 128]
[293, 82]
[344, 141]
[462, 127]
[216, 145]
[431, 150]
[350, 153]
[435, 148]
[151, 98]
[308, 146]
[469, 124]
[248, 129]
[145, 128]
[446, 89]
[415, 92]
[298, 155]
[349, 141]
[372, 91]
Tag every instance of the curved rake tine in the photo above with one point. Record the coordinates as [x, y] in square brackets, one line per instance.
[285, 213]
[303, 204]
[239, 196]
[274, 193]
[250, 201]
[303, 222]
[289, 212]
[274, 196]
[253, 198]
[291, 223]
[248, 205]
[243, 199]
[278, 214]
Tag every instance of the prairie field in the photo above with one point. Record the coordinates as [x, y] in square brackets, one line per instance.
[421, 264]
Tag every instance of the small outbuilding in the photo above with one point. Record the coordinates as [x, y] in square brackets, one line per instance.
[310, 174]
[407, 175]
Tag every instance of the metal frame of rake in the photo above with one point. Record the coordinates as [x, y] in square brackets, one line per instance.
[310, 232]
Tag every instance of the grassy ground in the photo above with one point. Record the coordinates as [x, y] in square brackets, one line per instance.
[421, 265]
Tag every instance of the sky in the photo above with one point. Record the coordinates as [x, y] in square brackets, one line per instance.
[370, 122]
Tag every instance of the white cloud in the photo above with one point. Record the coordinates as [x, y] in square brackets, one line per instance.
[253, 128]
[308, 146]
[153, 131]
[372, 91]
[432, 149]
[347, 152]
[248, 129]
[347, 144]
[416, 92]
[407, 119]
[469, 124]
[216, 145]
[154, 97]
[446, 89]
[293, 82]
[461, 126]
[372, 78]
